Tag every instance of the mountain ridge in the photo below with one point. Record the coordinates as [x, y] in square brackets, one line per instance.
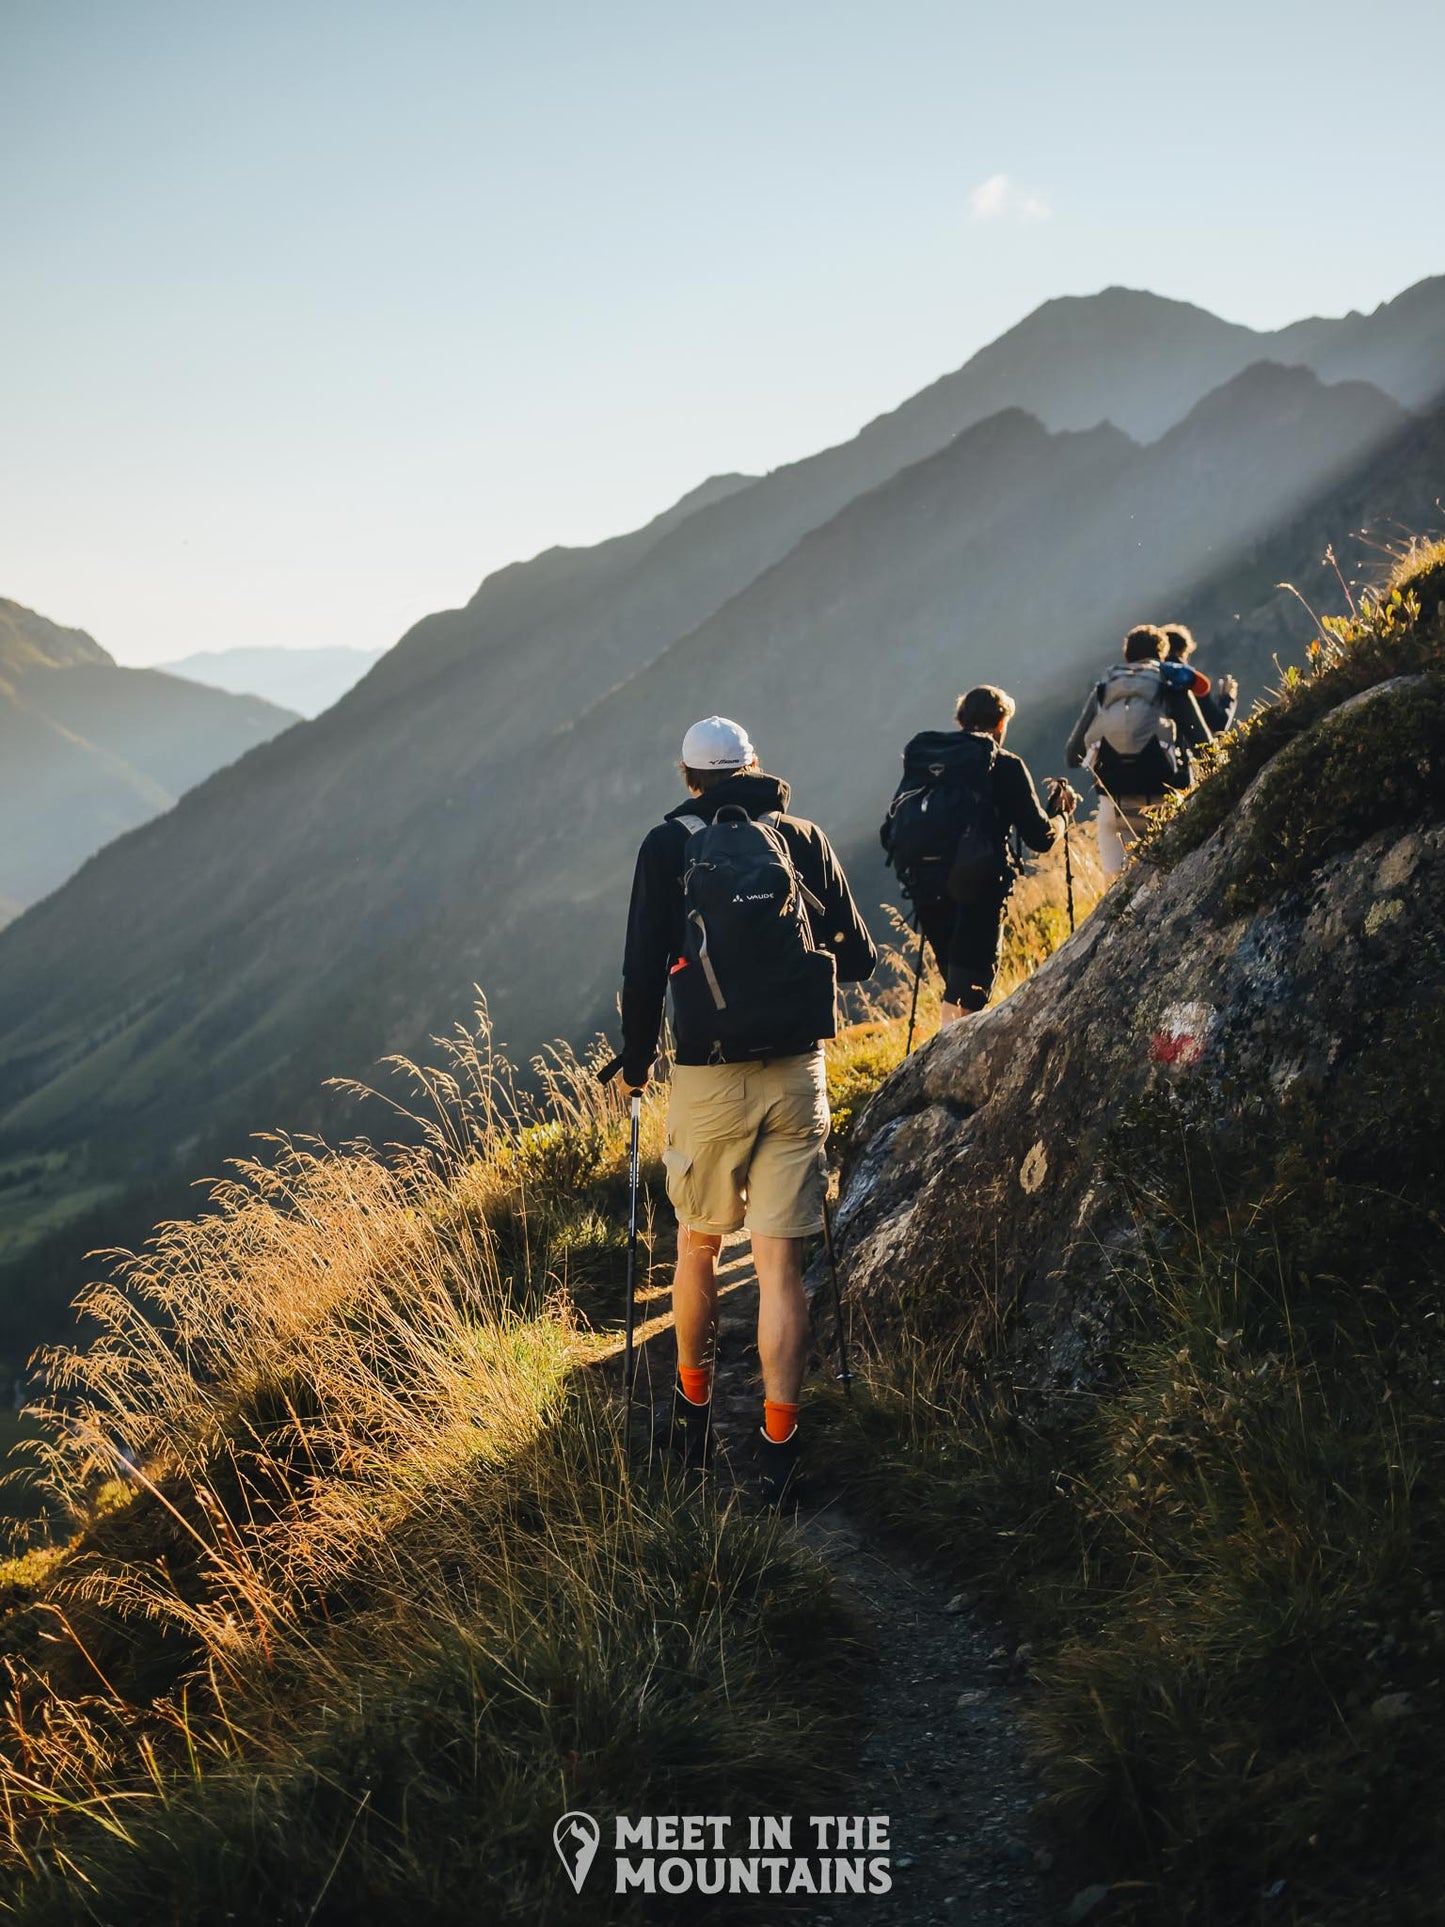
[301, 681]
[980, 459]
[90, 749]
[29, 640]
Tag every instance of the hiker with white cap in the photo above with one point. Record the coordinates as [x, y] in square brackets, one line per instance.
[744, 912]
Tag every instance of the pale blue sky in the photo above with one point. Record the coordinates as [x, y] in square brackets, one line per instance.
[317, 310]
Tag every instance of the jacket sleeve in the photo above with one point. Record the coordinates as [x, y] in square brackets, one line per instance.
[1074, 754]
[837, 926]
[652, 931]
[1188, 720]
[1218, 711]
[1022, 809]
[1179, 675]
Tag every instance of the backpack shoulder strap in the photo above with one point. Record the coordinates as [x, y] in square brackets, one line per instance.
[692, 824]
[774, 821]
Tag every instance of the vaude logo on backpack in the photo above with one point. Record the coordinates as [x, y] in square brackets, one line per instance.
[750, 981]
[1132, 743]
[941, 832]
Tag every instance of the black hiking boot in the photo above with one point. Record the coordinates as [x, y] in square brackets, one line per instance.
[685, 1429]
[777, 1468]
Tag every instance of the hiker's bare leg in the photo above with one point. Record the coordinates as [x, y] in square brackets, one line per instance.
[782, 1316]
[694, 1295]
[1108, 827]
[950, 1013]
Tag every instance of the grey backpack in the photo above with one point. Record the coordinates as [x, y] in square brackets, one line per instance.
[1132, 734]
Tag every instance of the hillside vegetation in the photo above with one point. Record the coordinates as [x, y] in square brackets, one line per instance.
[360, 1595]
[1156, 1289]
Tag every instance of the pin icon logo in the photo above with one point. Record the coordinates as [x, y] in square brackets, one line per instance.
[575, 1837]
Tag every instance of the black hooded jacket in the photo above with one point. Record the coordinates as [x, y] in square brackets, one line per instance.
[655, 917]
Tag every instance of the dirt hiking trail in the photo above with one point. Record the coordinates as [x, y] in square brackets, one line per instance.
[942, 1754]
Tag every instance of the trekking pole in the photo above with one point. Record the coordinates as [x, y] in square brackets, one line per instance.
[917, 982]
[1069, 868]
[844, 1375]
[1068, 858]
[629, 1352]
[629, 1367]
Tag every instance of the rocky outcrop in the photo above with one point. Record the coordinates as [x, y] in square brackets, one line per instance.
[998, 1181]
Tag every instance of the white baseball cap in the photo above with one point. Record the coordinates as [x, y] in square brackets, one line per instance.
[717, 743]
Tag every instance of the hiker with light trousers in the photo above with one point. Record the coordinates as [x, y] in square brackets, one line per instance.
[743, 912]
[1135, 735]
[960, 798]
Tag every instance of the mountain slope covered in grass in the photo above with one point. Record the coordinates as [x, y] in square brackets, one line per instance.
[89, 750]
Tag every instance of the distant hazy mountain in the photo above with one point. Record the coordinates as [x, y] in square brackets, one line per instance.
[305, 681]
[467, 813]
[88, 749]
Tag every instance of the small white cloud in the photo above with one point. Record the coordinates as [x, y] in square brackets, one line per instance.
[988, 199]
[1001, 199]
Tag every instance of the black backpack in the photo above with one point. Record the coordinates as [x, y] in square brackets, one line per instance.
[941, 832]
[750, 981]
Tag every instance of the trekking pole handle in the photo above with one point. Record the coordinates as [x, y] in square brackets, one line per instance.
[634, 1164]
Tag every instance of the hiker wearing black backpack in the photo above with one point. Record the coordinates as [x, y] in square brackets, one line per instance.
[744, 912]
[1135, 736]
[947, 833]
[1218, 700]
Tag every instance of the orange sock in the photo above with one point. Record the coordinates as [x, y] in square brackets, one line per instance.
[696, 1382]
[780, 1421]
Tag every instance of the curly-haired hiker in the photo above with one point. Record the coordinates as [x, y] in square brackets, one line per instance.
[744, 912]
[1134, 736]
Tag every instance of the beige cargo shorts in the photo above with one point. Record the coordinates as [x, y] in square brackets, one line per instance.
[745, 1145]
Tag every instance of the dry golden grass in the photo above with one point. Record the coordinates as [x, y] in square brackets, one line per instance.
[360, 1594]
